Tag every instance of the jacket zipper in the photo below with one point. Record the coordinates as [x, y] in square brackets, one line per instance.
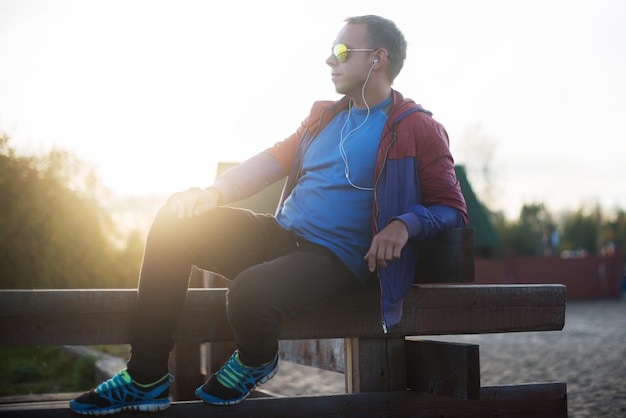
[383, 323]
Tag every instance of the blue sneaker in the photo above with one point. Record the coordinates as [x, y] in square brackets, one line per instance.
[235, 381]
[122, 393]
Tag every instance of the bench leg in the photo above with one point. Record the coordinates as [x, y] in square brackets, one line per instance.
[375, 364]
[442, 368]
[185, 366]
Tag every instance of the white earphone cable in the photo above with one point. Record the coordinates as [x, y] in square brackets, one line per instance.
[342, 140]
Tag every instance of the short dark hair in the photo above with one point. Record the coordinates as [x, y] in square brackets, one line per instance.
[383, 33]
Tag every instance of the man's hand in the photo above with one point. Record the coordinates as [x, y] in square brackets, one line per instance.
[387, 245]
[194, 202]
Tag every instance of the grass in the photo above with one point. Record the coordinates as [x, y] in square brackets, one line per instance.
[44, 370]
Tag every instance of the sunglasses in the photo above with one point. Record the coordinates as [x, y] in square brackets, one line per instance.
[340, 51]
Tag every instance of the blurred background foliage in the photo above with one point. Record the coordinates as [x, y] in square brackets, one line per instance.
[54, 233]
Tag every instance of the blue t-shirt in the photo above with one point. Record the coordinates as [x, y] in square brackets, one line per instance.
[328, 206]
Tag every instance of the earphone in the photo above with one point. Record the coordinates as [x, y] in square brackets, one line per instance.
[343, 138]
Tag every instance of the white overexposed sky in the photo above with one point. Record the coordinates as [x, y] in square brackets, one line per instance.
[154, 93]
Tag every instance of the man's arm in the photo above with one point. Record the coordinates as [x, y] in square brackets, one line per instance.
[388, 243]
[240, 182]
[249, 177]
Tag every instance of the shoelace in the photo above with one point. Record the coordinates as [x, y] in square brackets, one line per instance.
[120, 379]
[233, 374]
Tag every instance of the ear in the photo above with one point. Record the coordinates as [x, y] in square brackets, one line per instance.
[380, 57]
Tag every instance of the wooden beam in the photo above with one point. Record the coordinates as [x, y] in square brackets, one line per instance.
[82, 317]
[536, 400]
[322, 354]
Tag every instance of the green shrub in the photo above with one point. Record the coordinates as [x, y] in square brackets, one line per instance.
[44, 370]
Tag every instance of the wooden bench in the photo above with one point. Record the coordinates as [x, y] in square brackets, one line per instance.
[443, 378]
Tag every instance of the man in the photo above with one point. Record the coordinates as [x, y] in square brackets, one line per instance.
[368, 176]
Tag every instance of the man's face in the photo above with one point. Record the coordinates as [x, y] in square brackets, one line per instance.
[350, 75]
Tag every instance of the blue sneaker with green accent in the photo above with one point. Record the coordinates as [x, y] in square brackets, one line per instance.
[122, 393]
[235, 381]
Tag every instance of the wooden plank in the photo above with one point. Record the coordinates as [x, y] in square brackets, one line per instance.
[96, 316]
[446, 258]
[375, 364]
[475, 309]
[449, 369]
[38, 398]
[82, 317]
[321, 354]
[536, 400]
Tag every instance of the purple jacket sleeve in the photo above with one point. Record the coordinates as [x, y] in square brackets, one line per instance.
[425, 222]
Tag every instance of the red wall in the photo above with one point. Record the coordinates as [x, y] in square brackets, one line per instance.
[591, 277]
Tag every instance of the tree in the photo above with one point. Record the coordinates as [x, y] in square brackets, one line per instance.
[525, 236]
[614, 230]
[582, 230]
[53, 232]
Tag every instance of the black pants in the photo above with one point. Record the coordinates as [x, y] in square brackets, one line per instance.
[274, 275]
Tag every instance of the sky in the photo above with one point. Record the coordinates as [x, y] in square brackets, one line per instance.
[153, 93]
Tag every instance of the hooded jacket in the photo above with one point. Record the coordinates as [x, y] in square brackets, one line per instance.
[414, 182]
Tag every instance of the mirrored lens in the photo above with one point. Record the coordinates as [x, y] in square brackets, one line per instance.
[340, 51]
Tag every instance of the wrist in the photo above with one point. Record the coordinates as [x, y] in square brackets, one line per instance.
[216, 192]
